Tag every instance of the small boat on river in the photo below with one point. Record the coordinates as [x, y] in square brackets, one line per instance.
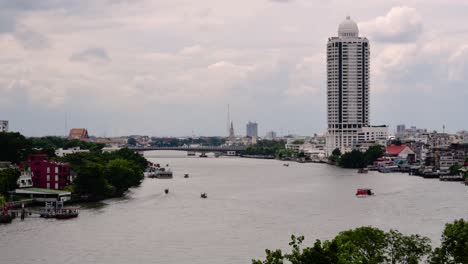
[286, 164]
[363, 170]
[364, 192]
[204, 195]
[186, 175]
[66, 214]
[166, 191]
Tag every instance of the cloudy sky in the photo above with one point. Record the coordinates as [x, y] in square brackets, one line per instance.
[170, 67]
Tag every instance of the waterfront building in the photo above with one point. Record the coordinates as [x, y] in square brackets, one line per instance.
[348, 71]
[47, 174]
[78, 133]
[252, 129]
[400, 151]
[3, 126]
[25, 179]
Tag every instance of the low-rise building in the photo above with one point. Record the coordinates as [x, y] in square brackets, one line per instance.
[47, 174]
[63, 152]
[25, 179]
[400, 151]
[112, 142]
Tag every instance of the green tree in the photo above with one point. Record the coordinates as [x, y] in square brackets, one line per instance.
[406, 249]
[14, 147]
[454, 244]
[454, 169]
[91, 180]
[373, 153]
[363, 245]
[8, 179]
[123, 174]
[353, 159]
[336, 152]
[298, 142]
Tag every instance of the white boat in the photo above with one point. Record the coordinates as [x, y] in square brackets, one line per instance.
[162, 173]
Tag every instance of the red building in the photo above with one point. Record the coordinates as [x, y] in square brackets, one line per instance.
[47, 174]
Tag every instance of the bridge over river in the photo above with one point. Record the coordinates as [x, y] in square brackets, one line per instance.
[229, 150]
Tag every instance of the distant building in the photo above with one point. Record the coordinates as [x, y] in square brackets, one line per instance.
[400, 129]
[112, 142]
[3, 126]
[47, 174]
[252, 129]
[232, 136]
[271, 135]
[63, 152]
[79, 133]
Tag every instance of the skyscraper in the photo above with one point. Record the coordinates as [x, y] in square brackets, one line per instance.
[347, 86]
[252, 129]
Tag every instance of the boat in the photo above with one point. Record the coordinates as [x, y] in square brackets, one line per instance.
[166, 191]
[363, 170]
[5, 218]
[204, 195]
[364, 192]
[203, 155]
[66, 213]
[286, 164]
[186, 175]
[162, 173]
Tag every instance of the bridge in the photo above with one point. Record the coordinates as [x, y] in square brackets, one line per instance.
[230, 150]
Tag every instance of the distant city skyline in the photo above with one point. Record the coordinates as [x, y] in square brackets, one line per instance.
[167, 68]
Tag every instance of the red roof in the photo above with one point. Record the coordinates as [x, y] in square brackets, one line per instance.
[394, 149]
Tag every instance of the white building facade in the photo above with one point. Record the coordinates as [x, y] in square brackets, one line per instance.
[347, 87]
[3, 126]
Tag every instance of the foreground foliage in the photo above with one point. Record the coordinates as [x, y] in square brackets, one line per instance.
[368, 245]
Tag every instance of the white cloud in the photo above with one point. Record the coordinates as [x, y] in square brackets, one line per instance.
[400, 24]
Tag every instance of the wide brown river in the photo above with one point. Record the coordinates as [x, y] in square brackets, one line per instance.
[252, 205]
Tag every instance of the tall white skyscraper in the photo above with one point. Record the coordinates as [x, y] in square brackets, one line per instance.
[347, 86]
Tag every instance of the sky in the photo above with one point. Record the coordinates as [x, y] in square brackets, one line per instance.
[171, 67]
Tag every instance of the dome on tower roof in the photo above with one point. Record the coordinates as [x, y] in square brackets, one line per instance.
[348, 28]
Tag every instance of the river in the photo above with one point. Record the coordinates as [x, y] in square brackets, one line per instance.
[252, 205]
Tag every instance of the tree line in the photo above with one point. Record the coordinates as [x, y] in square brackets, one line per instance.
[369, 245]
[357, 158]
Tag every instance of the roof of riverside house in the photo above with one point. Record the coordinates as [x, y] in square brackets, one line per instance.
[40, 191]
[395, 149]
